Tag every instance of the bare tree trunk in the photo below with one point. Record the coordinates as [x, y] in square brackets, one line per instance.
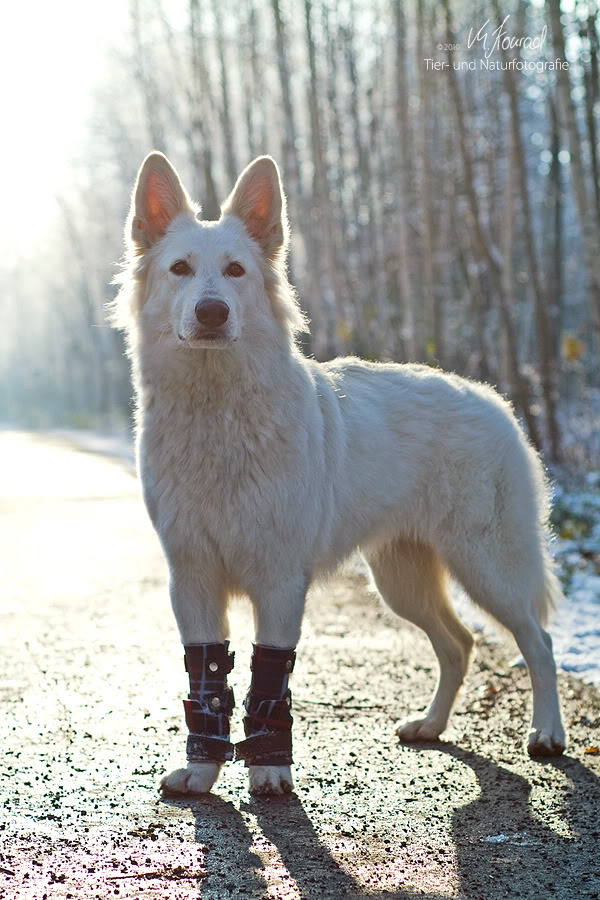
[586, 211]
[365, 286]
[590, 77]
[471, 275]
[412, 329]
[471, 266]
[201, 108]
[520, 390]
[544, 346]
[145, 79]
[320, 195]
[290, 141]
[555, 260]
[225, 108]
[91, 348]
[255, 114]
[385, 345]
[337, 178]
[432, 300]
[293, 179]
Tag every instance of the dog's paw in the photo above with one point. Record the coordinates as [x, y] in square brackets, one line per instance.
[419, 730]
[270, 780]
[197, 778]
[546, 741]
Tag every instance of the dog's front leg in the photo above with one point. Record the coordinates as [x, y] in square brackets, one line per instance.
[199, 604]
[267, 750]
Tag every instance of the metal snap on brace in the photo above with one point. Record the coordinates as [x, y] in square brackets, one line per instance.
[288, 665]
[215, 702]
[213, 666]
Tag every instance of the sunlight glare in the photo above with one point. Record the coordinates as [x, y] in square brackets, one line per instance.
[51, 58]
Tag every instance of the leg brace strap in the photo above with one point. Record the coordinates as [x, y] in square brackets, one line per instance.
[210, 702]
[268, 721]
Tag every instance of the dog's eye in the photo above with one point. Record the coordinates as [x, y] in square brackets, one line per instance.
[235, 270]
[181, 268]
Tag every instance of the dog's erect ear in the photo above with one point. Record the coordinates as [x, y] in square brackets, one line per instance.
[258, 200]
[158, 197]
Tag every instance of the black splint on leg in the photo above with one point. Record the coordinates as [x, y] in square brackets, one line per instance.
[268, 721]
[210, 702]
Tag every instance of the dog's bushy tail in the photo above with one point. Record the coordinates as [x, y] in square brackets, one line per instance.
[551, 594]
[533, 481]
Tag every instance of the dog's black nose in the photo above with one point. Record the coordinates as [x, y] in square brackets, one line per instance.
[211, 312]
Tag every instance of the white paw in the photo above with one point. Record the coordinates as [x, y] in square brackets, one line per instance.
[197, 778]
[419, 730]
[546, 741]
[270, 780]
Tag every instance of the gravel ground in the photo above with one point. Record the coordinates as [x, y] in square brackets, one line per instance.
[91, 682]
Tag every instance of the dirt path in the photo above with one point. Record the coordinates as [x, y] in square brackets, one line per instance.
[91, 681]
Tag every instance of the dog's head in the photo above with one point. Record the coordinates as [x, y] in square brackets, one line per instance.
[194, 284]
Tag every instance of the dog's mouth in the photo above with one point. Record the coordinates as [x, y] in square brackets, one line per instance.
[203, 339]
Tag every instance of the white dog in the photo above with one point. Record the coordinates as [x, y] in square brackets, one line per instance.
[262, 470]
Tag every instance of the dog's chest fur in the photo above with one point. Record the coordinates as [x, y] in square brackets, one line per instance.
[219, 468]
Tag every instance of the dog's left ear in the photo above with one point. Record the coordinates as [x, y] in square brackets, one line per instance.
[258, 200]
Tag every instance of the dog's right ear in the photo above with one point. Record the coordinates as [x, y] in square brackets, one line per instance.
[158, 197]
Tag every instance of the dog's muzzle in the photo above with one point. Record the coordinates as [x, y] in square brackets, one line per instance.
[268, 721]
[210, 702]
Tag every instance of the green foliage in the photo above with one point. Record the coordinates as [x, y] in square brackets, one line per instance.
[569, 525]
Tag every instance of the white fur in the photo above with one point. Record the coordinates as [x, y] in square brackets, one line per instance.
[262, 470]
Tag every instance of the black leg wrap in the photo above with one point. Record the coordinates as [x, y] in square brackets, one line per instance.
[268, 721]
[210, 702]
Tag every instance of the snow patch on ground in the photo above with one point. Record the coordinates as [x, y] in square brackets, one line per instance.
[576, 631]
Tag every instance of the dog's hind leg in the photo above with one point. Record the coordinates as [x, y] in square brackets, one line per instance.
[511, 577]
[413, 582]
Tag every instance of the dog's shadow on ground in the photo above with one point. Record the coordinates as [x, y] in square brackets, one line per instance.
[233, 869]
[508, 847]
[229, 861]
[503, 847]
